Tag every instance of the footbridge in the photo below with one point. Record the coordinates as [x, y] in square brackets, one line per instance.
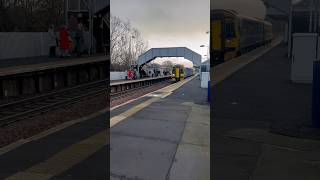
[153, 53]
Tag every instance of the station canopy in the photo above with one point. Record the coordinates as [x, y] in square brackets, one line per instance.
[153, 53]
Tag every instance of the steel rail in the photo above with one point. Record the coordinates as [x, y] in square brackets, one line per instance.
[29, 107]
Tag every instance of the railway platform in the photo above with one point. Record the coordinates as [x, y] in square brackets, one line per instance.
[261, 120]
[163, 135]
[27, 77]
[5, 63]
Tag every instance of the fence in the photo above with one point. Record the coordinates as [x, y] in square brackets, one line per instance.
[29, 44]
[117, 75]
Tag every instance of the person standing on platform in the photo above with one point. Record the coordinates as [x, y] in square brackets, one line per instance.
[53, 41]
[79, 39]
[64, 41]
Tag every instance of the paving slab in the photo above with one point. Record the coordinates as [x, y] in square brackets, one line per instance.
[265, 137]
[192, 160]
[233, 167]
[140, 158]
[197, 134]
[192, 163]
[149, 128]
[234, 146]
[168, 115]
[278, 163]
[94, 167]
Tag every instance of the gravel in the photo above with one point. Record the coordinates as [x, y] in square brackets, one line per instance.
[127, 97]
[34, 125]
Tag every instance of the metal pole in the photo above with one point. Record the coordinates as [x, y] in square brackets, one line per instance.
[318, 8]
[90, 26]
[130, 52]
[208, 53]
[290, 29]
[310, 16]
[317, 22]
[316, 14]
[66, 9]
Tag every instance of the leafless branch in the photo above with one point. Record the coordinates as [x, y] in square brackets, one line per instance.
[127, 43]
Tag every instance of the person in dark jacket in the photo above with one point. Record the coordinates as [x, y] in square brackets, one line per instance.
[53, 41]
[79, 39]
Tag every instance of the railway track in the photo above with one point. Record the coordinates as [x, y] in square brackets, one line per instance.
[125, 88]
[29, 107]
[122, 94]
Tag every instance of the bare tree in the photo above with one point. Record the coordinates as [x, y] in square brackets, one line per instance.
[127, 43]
[153, 65]
[167, 64]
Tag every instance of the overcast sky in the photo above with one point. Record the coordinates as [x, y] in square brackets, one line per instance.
[168, 23]
[171, 23]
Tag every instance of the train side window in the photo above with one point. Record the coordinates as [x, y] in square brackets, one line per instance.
[230, 30]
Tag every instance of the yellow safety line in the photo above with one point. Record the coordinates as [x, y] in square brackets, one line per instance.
[222, 71]
[63, 160]
[116, 119]
[43, 134]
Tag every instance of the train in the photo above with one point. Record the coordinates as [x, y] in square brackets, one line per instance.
[180, 73]
[233, 34]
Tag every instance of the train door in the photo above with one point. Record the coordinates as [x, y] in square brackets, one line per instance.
[182, 73]
[231, 41]
[217, 35]
[177, 74]
[217, 40]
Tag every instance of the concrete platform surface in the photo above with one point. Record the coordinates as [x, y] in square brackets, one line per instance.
[168, 138]
[27, 65]
[256, 116]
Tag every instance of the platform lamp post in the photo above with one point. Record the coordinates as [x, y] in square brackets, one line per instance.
[207, 50]
[208, 32]
[289, 20]
[207, 53]
[316, 73]
[314, 16]
[91, 24]
[66, 9]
